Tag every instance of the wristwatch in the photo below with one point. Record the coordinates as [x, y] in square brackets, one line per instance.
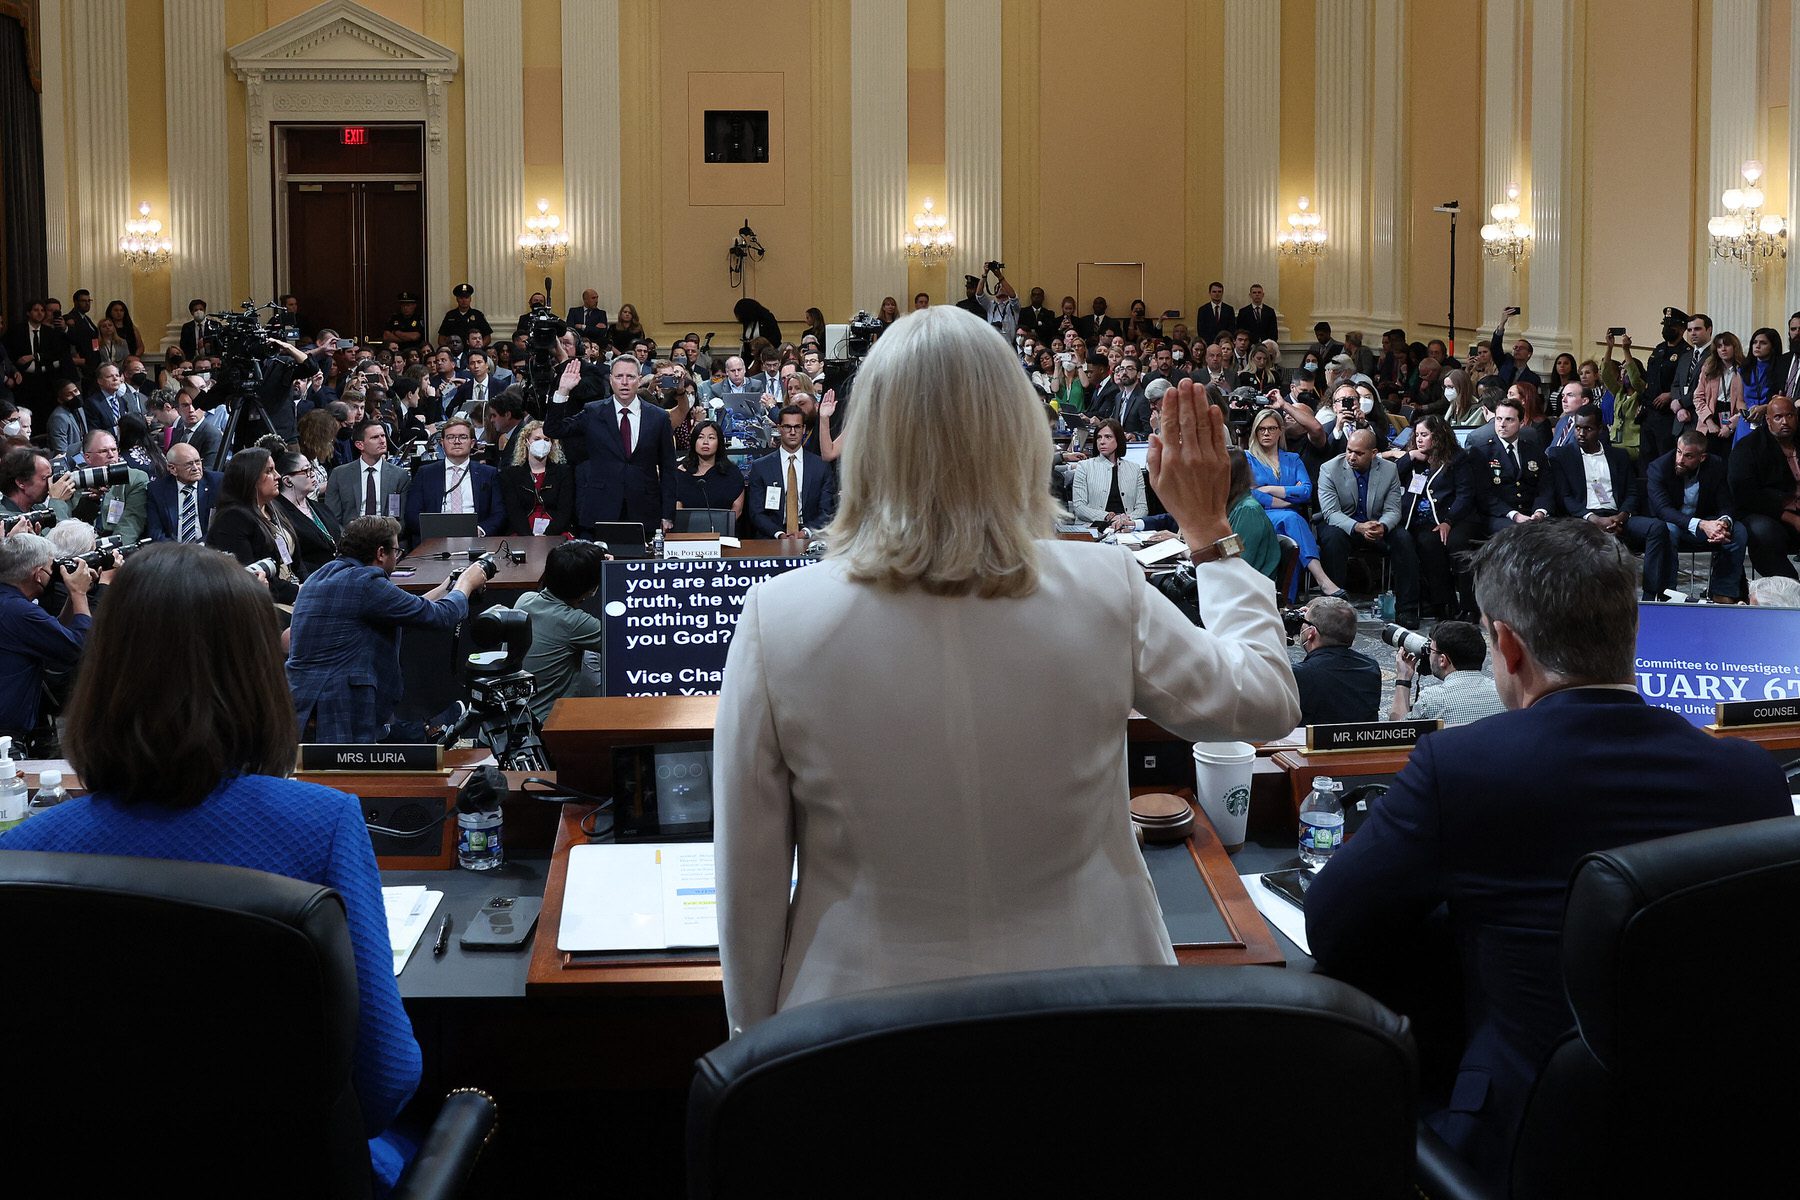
[1229, 546]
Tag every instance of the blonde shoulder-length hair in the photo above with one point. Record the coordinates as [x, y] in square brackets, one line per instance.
[943, 469]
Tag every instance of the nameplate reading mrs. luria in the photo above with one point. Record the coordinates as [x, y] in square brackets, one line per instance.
[1367, 735]
[320, 756]
[1734, 714]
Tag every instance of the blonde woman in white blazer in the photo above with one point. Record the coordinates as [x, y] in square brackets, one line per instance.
[1092, 483]
[900, 714]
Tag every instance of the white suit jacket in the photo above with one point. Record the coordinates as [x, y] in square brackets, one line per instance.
[952, 769]
[1093, 481]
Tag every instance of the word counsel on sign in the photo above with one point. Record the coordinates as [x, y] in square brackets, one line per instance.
[1367, 735]
[668, 623]
[324, 756]
[1741, 713]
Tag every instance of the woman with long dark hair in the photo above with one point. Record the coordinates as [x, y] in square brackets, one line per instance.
[120, 316]
[625, 329]
[1248, 520]
[247, 525]
[1437, 510]
[1760, 377]
[707, 479]
[197, 772]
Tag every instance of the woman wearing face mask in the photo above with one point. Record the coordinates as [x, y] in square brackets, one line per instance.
[537, 486]
[316, 531]
[1465, 407]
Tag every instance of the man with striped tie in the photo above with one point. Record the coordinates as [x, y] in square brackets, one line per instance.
[181, 502]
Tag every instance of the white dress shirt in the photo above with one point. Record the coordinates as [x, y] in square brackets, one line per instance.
[1599, 480]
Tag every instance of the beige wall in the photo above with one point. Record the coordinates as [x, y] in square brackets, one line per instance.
[1108, 151]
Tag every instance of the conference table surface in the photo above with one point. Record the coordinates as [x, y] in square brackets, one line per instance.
[430, 567]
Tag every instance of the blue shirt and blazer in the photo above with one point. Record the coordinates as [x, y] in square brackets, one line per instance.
[163, 499]
[31, 642]
[610, 484]
[426, 495]
[344, 648]
[1490, 819]
[818, 493]
[284, 827]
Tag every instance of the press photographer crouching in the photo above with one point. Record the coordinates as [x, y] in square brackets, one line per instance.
[344, 642]
[32, 642]
[26, 486]
[561, 630]
[1337, 682]
[1454, 654]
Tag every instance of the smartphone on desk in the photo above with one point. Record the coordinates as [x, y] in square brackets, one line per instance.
[1290, 885]
[503, 923]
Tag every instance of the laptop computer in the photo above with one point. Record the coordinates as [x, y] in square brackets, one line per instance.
[706, 520]
[624, 539]
[448, 525]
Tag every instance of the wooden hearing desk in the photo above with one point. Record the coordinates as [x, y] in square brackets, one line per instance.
[429, 570]
[580, 736]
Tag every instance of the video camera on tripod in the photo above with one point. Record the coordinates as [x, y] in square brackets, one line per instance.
[499, 712]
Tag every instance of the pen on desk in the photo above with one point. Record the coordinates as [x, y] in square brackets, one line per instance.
[443, 937]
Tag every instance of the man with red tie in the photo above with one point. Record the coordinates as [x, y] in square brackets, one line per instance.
[622, 448]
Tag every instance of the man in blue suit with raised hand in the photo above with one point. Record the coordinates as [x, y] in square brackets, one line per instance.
[457, 483]
[1487, 821]
[623, 450]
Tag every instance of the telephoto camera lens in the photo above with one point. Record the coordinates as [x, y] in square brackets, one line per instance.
[1409, 640]
[266, 567]
[89, 478]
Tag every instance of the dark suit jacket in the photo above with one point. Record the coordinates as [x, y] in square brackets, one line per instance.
[1338, 683]
[191, 337]
[818, 493]
[520, 495]
[313, 547]
[99, 409]
[1665, 491]
[1207, 326]
[1491, 819]
[53, 347]
[426, 495]
[344, 647]
[610, 485]
[1500, 489]
[1451, 489]
[234, 528]
[1759, 476]
[1091, 327]
[163, 500]
[1262, 326]
[590, 323]
[1568, 480]
[204, 437]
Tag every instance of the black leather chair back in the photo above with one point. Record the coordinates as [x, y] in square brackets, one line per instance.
[177, 1028]
[1679, 963]
[1226, 1081]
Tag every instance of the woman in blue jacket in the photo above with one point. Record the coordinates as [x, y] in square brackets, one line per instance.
[1283, 488]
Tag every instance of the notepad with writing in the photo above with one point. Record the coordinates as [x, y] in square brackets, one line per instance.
[642, 896]
[409, 912]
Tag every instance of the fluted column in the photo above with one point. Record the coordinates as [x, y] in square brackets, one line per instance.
[1388, 162]
[100, 145]
[878, 151]
[494, 125]
[972, 168]
[1252, 174]
[1342, 33]
[1554, 311]
[1735, 121]
[199, 159]
[54, 115]
[590, 86]
[1793, 258]
[1503, 53]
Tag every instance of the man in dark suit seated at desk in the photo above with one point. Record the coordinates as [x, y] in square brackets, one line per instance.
[1490, 819]
[792, 491]
[1337, 682]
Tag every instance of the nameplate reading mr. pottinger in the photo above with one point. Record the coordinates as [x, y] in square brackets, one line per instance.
[1734, 714]
[367, 759]
[1367, 735]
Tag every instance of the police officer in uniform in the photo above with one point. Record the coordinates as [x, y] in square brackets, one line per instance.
[404, 326]
[459, 320]
[1655, 415]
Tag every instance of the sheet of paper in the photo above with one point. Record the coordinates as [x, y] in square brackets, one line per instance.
[690, 899]
[409, 913]
[639, 897]
[730, 542]
[1282, 915]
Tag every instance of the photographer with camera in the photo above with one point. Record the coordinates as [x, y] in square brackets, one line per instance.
[26, 486]
[1337, 681]
[31, 640]
[561, 630]
[1453, 654]
[112, 496]
[344, 642]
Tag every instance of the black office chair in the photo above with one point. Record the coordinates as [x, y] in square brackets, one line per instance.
[1678, 959]
[189, 1028]
[1224, 1081]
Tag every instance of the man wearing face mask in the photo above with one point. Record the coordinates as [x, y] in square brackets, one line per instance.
[1357, 408]
[1337, 682]
[68, 421]
[1509, 470]
[1361, 503]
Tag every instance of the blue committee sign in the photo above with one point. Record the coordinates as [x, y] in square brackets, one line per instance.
[668, 622]
[1693, 657]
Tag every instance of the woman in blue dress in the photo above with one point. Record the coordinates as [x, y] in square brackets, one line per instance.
[1282, 486]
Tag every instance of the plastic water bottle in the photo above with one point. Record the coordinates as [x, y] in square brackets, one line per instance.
[1321, 822]
[478, 840]
[12, 789]
[656, 544]
[50, 792]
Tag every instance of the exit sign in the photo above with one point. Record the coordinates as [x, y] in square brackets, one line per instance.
[355, 135]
